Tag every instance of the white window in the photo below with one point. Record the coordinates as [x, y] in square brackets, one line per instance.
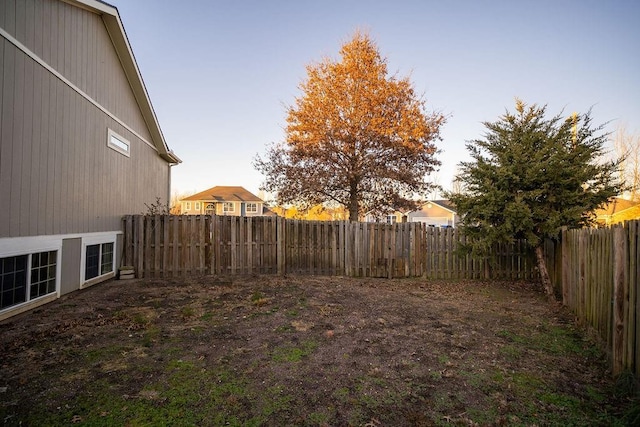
[187, 206]
[391, 219]
[252, 208]
[118, 143]
[26, 277]
[197, 206]
[228, 207]
[98, 258]
[209, 209]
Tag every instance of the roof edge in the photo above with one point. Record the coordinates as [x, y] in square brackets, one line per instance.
[117, 33]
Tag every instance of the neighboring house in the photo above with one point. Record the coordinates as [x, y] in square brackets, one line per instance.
[436, 213]
[619, 210]
[391, 218]
[223, 200]
[80, 146]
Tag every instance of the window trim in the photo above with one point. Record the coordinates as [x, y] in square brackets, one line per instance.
[187, 206]
[121, 143]
[196, 206]
[97, 240]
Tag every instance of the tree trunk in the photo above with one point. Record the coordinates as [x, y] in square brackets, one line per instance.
[353, 203]
[544, 273]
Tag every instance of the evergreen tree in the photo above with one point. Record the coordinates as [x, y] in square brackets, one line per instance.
[532, 175]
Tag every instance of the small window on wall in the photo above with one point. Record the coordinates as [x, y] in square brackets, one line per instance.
[118, 143]
[228, 207]
[197, 206]
[98, 260]
[252, 208]
[36, 272]
[187, 206]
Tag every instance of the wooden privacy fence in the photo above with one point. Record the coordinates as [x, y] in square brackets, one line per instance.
[596, 270]
[170, 246]
[600, 282]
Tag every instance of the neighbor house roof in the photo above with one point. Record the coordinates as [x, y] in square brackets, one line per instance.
[225, 194]
[445, 204]
[615, 206]
[113, 24]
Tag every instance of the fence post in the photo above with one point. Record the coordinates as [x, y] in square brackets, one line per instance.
[127, 250]
[620, 300]
[632, 286]
[564, 267]
[280, 245]
[138, 245]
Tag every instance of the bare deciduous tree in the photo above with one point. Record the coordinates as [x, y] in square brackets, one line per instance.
[627, 147]
[356, 136]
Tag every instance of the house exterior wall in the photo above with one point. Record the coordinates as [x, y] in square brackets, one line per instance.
[191, 208]
[433, 214]
[53, 140]
[62, 89]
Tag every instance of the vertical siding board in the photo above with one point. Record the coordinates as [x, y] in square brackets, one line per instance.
[7, 58]
[15, 176]
[84, 190]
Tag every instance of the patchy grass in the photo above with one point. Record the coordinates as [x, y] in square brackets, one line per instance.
[256, 351]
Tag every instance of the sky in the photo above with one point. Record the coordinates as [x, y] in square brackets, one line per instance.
[221, 73]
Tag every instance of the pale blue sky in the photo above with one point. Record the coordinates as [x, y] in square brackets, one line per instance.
[220, 73]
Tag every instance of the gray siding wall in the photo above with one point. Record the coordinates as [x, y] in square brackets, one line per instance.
[57, 175]
[70, 274]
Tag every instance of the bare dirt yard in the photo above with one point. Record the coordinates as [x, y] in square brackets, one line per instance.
[318, 351]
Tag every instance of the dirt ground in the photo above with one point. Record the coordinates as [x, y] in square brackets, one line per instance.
[272, 350]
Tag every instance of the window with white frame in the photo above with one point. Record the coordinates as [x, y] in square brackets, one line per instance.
[98, 260]
[252, 208]
[197, 206]
[187, 206]
[118, 143]
[391, 219]
[209, 209]
[228, 207]
[26, 277]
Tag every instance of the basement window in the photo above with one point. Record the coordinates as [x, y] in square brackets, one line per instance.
[26, 277]
[98, 260]
[118, 143]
